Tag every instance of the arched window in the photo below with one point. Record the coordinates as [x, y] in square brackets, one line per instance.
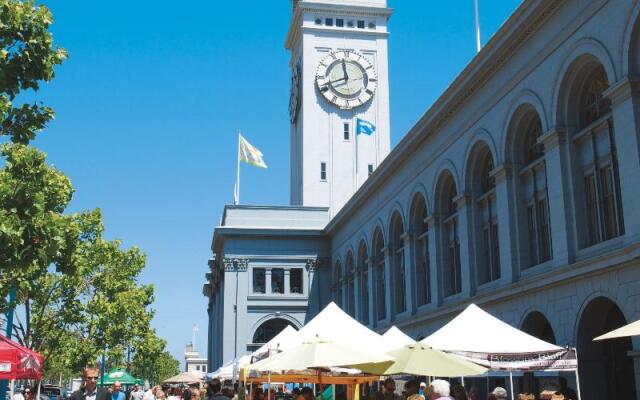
[350, 287]
[396, 246]
[597, 166]
[420, 234]
[533, 185]
[379, 274]
[451, 268]
[269, 329]
[363, 268]
[486, 217]
[337, 284]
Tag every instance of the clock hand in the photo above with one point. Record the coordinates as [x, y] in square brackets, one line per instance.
[344, 70]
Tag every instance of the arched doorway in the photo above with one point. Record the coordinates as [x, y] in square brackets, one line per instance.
[267, 331]
[536, 324]
[606, 371]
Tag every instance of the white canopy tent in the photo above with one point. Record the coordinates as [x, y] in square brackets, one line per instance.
[633, 329]
[285, 336]
[229, 370]
[482, 338]
[395, 339]
[333, 324]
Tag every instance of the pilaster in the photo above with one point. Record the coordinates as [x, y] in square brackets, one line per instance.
[463, 201]
[409, 273]
[625, 102]
[389, 299]
[433, 223]
[559, 196]
[507, 232]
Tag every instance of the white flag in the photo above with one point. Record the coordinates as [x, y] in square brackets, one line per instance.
[250, 154]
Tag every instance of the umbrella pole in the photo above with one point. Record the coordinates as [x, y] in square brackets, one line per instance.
[462, 379]
[577, 376]
[12, 388]
[38, 395]
[269, 387]
[511, 381]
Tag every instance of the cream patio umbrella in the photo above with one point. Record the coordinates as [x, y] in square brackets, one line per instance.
[419, 359]
[183, 377]
[319, 354]
[633, 329]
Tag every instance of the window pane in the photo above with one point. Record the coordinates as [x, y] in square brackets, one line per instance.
[361, 24]
[295, 281]
[609, 203]
[592, 209]
[544, 239]
[340, 22]
[531, 228]
[364, 308]
[495, 253]
[277, 280]
[381, 288]
[259, 280]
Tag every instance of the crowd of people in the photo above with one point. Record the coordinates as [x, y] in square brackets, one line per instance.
[215, 390]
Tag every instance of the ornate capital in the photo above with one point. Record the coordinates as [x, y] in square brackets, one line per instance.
[462, 199]
[552, 138]
[501, 172]
[235, 264]
[313, 264]
[432, 220]
[623, 90]
[212, 263]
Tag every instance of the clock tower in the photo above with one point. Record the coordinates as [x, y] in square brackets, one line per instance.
[339, 104]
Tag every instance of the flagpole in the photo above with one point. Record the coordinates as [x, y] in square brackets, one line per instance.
[478, 44]
[237, 196]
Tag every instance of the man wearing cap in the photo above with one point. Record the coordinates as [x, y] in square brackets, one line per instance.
[500, 393]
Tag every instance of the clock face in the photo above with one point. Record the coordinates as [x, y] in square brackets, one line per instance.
[295, 96]
[347, 79]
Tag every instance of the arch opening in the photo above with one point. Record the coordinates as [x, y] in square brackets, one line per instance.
[420, 241]
[268, 330]
[451, 269]
[379, 274]
[397, 249]
[363, 268]
[606, 371]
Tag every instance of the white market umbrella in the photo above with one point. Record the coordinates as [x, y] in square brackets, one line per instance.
[633, 329]
[183, 377]
[319, 353]
[418, 359]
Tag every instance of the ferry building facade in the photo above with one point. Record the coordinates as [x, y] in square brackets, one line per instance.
[517, 190]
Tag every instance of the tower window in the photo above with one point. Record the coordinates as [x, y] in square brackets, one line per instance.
[346, 130]
[372, 25]
[361, 24]
[339, 22]
[370, 169]
[328, 21]
[318, 21]
[351, 24]
[323, 171]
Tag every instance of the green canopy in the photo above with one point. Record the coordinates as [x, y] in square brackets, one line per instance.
[118, 375]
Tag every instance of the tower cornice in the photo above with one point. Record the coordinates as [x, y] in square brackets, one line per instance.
[344, 9]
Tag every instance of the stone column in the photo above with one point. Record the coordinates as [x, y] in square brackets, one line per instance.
[507, 229]
[287, 281]
[559, 193]
[433, 223]
[467, 263]
[267, 281]
[389, 300]
[409, 274]
[372, 293]
[625, 103]
[357, 294]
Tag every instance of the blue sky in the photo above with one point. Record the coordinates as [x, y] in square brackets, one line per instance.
[150, 102]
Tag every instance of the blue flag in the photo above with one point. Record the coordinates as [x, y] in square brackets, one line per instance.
[365, 127]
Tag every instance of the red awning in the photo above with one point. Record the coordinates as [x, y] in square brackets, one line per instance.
[18, 362]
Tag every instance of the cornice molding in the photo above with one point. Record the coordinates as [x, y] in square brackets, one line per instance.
[524, 23]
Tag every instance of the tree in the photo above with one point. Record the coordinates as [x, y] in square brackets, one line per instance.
[80, 293]
[152, 361]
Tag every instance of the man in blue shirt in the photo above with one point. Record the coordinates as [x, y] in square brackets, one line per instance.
[116, 391]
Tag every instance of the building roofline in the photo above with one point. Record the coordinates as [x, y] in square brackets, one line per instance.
[266, 207]
[506, 41]
[296, 19]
